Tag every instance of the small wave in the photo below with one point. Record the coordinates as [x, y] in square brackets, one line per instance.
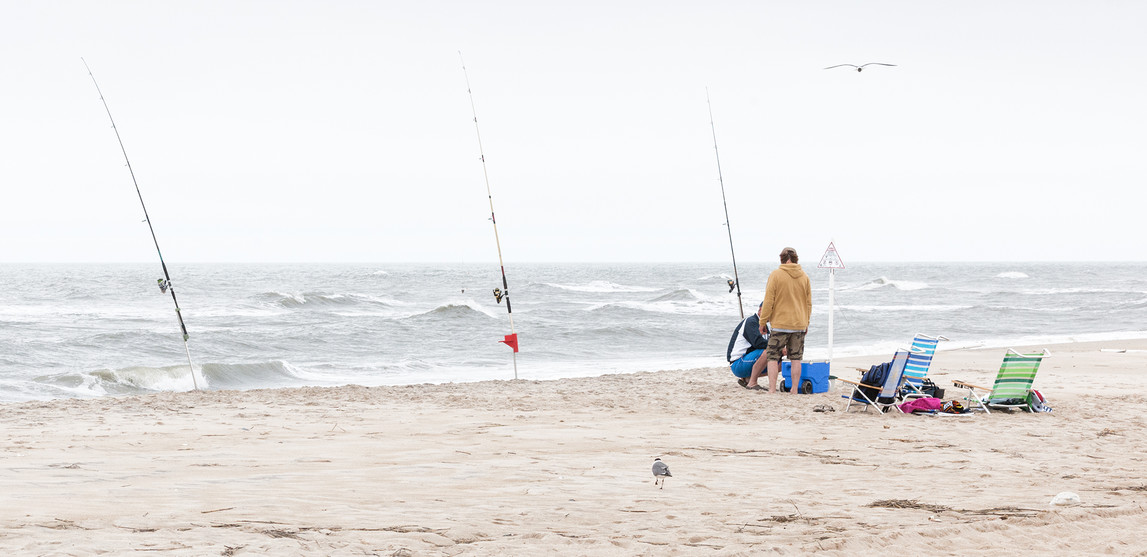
[669, 307]
[1012, 275]
[380, 273]
[1067, 290]
[601, 286]
[680, 295]
[928, 308]
[707, 278]
[139, 379]
[885, 282]
[319, 299]
[275, 373]
[454, 310]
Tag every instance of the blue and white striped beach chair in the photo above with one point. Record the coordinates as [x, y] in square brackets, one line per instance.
[916, 370]
[889, 391]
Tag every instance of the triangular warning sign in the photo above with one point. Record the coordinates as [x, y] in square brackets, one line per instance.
[831, 259]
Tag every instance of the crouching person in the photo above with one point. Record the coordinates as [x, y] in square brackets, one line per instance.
[746, 354]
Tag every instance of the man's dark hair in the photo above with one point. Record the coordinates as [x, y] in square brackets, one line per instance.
[789, 255]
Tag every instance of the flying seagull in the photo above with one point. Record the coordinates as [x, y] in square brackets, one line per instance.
[860, 67]
[660, 472]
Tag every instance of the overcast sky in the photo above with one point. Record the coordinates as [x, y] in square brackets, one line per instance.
[341, 130]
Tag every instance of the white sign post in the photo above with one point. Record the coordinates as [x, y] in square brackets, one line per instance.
[831, 261]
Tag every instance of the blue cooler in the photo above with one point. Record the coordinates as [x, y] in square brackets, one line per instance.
[814, 377]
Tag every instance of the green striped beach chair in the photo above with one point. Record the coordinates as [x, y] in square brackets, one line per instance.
[1013, 383]
[919, 360]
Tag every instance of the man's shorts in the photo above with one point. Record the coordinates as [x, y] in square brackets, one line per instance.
[743, 367]
[793, 341]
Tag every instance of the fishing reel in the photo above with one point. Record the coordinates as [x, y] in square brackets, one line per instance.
[498, 294]
[163, 285]
[732, 285]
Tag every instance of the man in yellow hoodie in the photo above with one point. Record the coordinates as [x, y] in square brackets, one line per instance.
[784, 317]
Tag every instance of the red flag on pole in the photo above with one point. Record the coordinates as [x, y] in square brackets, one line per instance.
[511, 341]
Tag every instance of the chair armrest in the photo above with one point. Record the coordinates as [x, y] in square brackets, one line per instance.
[966, 385]
[857, 383]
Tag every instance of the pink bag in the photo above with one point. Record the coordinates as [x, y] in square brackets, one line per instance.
[926, 404]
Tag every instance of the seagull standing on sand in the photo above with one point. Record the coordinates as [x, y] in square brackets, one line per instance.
[660, 472]
[860, 67]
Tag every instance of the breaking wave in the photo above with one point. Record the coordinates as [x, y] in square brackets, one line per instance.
[1012, 275]
[885, 282]
[321, 299]
[602, 286]
[680, 295]
[144, 379]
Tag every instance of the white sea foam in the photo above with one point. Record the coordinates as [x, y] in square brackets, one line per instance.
[670, 307]
[286, 298]
[602, 286]
[104, 311]
[176, 378]
[721, 276]
[885, 282]
[1068, 290]
[233, 312]
[907, 307]
[314, 299]
[1012, 275]
[144, 378]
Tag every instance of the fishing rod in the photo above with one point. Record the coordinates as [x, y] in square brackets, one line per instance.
[736, 279]
[165, 282]
[511, 339]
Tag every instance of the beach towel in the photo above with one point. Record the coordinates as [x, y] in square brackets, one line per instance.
[925, 404]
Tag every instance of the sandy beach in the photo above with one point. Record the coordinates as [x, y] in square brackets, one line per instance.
[526, 467]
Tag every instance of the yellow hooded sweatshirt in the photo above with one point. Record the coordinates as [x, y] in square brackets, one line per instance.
[788, 299]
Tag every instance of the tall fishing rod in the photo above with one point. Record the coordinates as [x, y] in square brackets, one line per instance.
[736, 278]
[511, 339]
[165, 282]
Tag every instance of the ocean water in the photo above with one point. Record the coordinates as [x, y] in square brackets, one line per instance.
[84, 330]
